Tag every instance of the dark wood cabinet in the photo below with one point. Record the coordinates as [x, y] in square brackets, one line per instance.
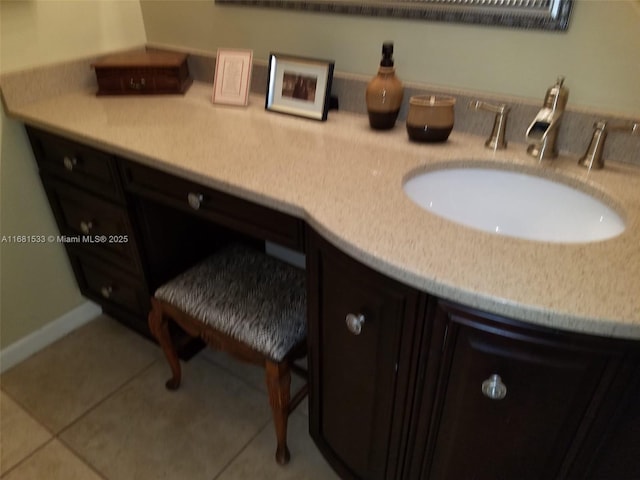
[120, 294]
[430, 390]
[611, 448]
[93, 224]
[135, 227]
[512, 400]
[214, 206]
[128, 228]
[361, 339]
[77, 164]
[89, 204]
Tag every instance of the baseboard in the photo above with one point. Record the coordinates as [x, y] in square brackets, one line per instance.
[54, 330]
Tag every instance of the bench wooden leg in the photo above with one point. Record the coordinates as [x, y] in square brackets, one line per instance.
[159, 326]
[278, 383]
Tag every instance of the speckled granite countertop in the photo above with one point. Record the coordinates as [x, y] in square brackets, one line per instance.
[346, 181]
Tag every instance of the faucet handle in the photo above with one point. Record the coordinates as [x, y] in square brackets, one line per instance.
[593, 156]
[496, 140]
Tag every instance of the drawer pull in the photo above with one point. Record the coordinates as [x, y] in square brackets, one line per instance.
[85, 227]
[137, 85]
[195, 199]
[493, 388]
[106, 291]
[355, 322]
[70, 163]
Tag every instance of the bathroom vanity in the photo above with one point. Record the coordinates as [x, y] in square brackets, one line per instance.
[436, 351]
[427, 389]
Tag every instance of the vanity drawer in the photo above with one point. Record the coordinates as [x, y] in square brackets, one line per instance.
[232, 212]
[109, 286]
[92, 224]
[78, 164]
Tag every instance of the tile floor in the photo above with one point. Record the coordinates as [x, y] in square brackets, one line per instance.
[93, 406]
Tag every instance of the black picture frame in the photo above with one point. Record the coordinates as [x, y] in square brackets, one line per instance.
[299, 86]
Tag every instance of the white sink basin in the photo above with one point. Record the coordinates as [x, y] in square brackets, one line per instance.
[514, 204]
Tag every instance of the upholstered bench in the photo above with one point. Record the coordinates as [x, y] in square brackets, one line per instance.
[248, 304]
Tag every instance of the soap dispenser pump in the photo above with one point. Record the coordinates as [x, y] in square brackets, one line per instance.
[384, 93]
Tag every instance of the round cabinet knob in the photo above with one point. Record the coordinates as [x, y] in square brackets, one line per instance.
[195, 199]
[106, 291]
[354, 323]
[85, 227]
[493, 388]
[69, 163]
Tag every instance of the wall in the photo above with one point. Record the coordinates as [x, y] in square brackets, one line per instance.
[598, 54]
[36, 283]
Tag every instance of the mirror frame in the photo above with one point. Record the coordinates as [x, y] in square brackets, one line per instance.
[523, 14]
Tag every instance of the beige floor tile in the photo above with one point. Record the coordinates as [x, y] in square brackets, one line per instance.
[146, 432]
[257, 462]
[20, 435]
[52, 462]
[63, 381]
[252, 374]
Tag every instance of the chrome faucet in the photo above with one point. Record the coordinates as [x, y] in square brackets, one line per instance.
[543, 131]
[497, 139]
[593, 156]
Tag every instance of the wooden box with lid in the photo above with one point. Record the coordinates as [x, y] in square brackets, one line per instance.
[142, 73]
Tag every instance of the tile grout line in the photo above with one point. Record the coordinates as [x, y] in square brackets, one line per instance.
[43, 446]
[31, 454]
[244, 447]
[107, 397]
[57, 435]
[235, 374]
[95, 406]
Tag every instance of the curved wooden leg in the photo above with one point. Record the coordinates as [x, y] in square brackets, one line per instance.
[278, 384]
[159, 326]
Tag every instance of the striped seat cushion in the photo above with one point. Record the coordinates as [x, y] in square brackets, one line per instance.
[248, 295]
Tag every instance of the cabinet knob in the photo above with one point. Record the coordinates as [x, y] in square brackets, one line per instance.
[106, 291]
[493, 388]
[355, 322]
[70, 163]
[85, 227]
[195, 199]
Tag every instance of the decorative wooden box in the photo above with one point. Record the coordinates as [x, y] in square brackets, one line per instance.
[143, 73]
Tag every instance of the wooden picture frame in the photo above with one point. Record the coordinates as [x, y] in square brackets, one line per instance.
[299, 86]
[232, 77]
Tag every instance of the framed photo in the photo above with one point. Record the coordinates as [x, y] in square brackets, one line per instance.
[299, 86]
[232, 77]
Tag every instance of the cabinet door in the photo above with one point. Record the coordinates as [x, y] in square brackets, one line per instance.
[357, 376]
[93, 224]
[510, 400]
[612, 448]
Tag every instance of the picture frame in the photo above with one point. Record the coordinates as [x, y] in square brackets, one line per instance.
[232, 77]
[299, 86]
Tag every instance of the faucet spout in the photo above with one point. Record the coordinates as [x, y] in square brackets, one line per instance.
[543, 131]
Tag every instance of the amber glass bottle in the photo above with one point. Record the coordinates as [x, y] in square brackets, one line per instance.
[384, 93]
